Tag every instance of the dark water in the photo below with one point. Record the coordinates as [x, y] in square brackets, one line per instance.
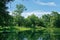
[28, 35]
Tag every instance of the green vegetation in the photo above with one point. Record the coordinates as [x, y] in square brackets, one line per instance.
[16, 27]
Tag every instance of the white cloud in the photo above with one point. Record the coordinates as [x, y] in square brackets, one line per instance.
[37, 13]
[10, 13]
[46, 3]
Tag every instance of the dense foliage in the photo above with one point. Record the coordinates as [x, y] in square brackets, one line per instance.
[4, 16]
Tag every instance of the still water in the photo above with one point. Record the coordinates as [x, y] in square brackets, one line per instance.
[29, 35]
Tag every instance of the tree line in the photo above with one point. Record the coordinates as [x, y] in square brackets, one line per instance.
[46, 20]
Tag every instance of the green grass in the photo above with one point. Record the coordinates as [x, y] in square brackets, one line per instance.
[21, 29]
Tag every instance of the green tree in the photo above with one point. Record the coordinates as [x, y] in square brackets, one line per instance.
[4, 16]
[46, 20]
[33, 19]
[27, 22]
[55, 19]
[40, 22]
[17, 14]
[51, 20]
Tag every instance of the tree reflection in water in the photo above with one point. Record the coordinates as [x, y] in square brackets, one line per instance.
[29, 35]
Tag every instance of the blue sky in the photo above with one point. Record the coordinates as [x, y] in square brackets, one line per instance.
[38, 7]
